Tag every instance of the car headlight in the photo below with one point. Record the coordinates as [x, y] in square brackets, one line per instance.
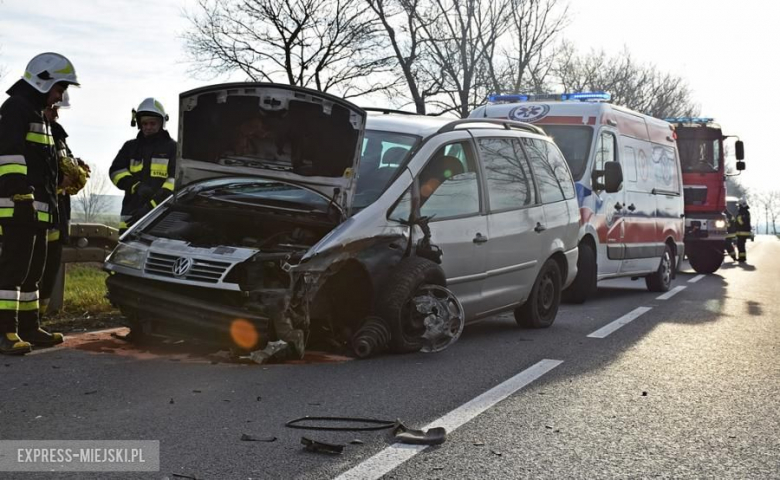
[126, 256]
[720, 224]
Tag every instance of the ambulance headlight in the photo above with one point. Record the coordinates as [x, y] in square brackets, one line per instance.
[127, 256]
[720, 224]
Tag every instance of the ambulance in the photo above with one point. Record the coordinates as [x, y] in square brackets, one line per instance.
[628, 181]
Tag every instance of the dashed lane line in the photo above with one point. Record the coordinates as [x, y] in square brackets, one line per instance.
[671, 293]
[395, 455]
[696, 279]
[607, 329]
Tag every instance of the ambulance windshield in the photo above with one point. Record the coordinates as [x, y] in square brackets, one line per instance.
[574, 142]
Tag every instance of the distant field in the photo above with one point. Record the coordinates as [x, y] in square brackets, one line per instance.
[85, 305]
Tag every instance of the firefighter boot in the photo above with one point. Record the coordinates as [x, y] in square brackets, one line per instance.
[42, 338]
[11, 344]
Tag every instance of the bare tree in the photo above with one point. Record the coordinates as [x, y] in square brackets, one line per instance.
[93, 200]
[641, 87]
[524, 64]
[329, 45]
[769, 202]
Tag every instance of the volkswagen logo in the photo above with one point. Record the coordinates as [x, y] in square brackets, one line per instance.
[181, 266]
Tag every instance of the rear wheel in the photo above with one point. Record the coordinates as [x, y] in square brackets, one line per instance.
[661, 280]
[540, 309]
[584, 283]
[705, 258]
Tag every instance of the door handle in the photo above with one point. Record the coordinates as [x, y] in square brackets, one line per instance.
[480, 238]
[539, 228]
[632, 207]
[618, 206]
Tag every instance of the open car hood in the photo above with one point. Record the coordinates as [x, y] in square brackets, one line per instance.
[282, 132]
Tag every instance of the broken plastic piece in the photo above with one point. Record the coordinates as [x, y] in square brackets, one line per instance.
[271, 350]
[432, 436]
[250, 438]
[321, 447]
[378, 424]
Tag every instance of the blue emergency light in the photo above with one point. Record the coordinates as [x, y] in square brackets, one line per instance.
[689, 120]
[549, 97]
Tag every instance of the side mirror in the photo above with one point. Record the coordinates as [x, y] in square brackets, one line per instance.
[739, 148]
[740, 166]
[613, 177]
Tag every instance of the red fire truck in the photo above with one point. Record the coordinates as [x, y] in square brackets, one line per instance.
[700, 142]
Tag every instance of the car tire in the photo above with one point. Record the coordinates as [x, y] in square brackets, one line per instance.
[661, 279]
[584, 284]
[706, 260]
[540, 309]
[394, 304]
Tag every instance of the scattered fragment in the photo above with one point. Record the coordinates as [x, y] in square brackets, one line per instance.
[171, 402]
[432, 436]
[496, 452]
[548, 427]
[196, 391]
[259, 398]
[188, 477]
[250, 438]
[479, 444]
[226, 400]
[438, 468]
[39, 416]
[272, 349]
[55, 366]
[644, 394]
[357, 441]
[91, 392]
[321, 447]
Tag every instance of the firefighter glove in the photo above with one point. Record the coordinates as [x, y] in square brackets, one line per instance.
[145, 191]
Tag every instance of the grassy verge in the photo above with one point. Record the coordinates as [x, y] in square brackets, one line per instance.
[85, 305]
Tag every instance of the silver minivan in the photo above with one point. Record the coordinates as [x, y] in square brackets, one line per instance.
[301, 218]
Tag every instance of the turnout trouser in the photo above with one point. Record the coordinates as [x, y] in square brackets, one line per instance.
[741, 248]
[730, 247]
[22, 261]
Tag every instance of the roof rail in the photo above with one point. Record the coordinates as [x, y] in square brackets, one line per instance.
[507, 124]
[388, 110]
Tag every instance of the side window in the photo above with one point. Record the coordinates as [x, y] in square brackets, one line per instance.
[402, 209]
[549, 188]
[449, 186]
[508, 177]
[605, 150]
[560, 169]
[629, 163]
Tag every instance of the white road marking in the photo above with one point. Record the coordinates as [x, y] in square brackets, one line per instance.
[394, 455]
[696, 279]
[604, 331]
[671, 293]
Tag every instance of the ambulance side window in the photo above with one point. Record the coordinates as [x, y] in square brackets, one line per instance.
[629, 163]
[605, 150]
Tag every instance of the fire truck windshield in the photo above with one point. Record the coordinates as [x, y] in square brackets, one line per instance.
[574, 142]
[699, 155]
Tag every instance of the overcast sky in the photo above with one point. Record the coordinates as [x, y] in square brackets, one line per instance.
[127, 50]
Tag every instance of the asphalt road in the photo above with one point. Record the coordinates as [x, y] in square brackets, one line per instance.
[687, 387]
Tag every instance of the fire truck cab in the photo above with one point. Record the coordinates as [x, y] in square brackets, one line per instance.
[628, 180]
[700, 142]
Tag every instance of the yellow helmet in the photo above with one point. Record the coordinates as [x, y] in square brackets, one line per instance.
[48, 68]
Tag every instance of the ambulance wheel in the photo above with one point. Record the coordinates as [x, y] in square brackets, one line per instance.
[541, 308]
[661, 280]
[584, 284]
[706, 259]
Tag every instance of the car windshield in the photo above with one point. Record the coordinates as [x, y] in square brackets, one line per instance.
[382, 156]
[574, 142]
[267, 193]
[699, 155]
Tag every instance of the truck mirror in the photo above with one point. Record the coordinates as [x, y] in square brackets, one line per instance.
[613, 177]
[740, 166]
[739, 148]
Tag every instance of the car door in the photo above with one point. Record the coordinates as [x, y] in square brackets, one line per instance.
[611, 214]
[451, 195]
[513, 248]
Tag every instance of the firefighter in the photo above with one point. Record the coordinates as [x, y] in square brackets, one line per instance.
[731, 235]
[145, 166]
[28, 198]
[744, 230]
[73, 174]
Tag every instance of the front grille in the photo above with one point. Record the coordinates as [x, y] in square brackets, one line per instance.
[695, 195]
[206, 271]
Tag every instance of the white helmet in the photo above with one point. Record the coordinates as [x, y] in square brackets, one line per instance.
[65, 102]
[151, 107]
[743, 202]
[46, 69]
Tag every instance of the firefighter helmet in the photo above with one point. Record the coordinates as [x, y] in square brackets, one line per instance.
[46, 69]
[743, 202]
[149, 107]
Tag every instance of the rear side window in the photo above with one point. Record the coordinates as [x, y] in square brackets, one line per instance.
[550, 188]
[509, 181]
[560, 170]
